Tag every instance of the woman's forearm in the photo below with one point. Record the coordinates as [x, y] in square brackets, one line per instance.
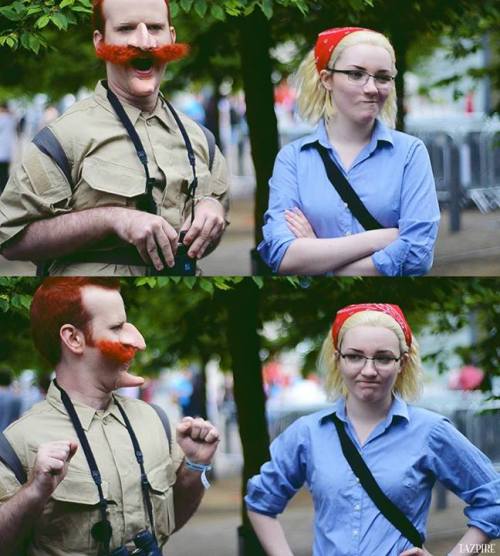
[470, 543]
[363, 267]
[270, 533]
[318, 256]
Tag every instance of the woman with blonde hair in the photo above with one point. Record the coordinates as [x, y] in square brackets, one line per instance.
[355, 196]
[371, 460]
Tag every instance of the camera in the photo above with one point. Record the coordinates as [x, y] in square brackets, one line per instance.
[183, 264]
[146, 546]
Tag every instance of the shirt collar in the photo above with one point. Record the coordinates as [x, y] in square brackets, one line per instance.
[85, 413]
[161, 112]
[381, 133]
[398, 409]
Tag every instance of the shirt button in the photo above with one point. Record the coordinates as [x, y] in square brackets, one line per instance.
[348, 233]
[357, 507]
[149, 122]
[357, 480]
[355, 533]
[345, 205]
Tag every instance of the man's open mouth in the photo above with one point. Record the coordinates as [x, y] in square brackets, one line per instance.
[142, 64]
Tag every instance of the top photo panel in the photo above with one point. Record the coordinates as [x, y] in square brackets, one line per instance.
[249, 137]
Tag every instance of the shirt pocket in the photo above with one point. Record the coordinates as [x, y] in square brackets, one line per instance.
[69, 515]
[162, 479]
[107, 183]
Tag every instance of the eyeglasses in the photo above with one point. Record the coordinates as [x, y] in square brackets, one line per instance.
[361, 77]
[356, 361]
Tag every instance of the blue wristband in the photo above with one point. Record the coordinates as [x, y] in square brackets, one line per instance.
[201, 468]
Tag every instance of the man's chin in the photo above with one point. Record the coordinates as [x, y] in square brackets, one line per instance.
[127, 380]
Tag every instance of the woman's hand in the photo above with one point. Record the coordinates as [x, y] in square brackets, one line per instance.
[415, 552]
[298, 223]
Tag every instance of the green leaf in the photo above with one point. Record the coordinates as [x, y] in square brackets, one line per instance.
[66, 3]
[217, 12]
[206, 285]
[189, 281]
[25, 40]
[11, 41]
[33, 10]
[82, 9]
[59, 20]
[200, 7]
[259, 281]
[174, 10]
[34, 43]
[42, 21]
[267, 8]
[186, 5]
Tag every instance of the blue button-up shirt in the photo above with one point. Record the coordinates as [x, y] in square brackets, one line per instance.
[406, 453]
[392, 175]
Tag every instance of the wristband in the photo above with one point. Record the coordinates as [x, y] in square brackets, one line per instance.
[200, 467]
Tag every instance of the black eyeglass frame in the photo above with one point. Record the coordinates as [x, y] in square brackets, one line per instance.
[390, 78]
[374, 359]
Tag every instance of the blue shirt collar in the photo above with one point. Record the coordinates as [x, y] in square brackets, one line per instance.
[399, 408]
[381, 133]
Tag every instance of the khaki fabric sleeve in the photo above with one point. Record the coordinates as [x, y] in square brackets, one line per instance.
[219, 183]
[36, 190]
[176, 452]
[9, 485]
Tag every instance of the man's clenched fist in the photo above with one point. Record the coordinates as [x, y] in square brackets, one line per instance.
[198, 439]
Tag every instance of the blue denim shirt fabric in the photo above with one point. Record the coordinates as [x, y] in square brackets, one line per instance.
[406, 453]
[392, 175]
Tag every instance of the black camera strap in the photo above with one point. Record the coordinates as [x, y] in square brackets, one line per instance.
[388, 509]
[102, 530]
[145, 485]
[346, 192]
[149, 205]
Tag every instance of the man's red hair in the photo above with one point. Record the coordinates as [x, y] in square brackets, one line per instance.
[56, 302]
[98, 16]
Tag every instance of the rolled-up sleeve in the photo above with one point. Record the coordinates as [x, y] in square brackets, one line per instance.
[466, 471]
[269, 492]
[283, 195]
[412, 253]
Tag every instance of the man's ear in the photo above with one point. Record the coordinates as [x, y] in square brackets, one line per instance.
[98, 38]
[173, 34]
[72, 338]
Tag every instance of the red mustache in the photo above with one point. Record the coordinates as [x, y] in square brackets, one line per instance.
[119, 54]
[116, 351]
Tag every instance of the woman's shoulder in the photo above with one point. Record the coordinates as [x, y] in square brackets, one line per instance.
[424, 418]
[403, 139]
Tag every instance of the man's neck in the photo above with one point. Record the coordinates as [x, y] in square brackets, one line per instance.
[145, 104]
[83, 390]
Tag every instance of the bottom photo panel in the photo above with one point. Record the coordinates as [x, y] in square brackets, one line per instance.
[249, 416]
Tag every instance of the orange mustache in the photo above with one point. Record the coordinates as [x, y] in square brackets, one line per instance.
[118, 54]
[116, 351]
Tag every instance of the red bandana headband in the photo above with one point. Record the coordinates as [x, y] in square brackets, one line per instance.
[393, 311]
[327, 41]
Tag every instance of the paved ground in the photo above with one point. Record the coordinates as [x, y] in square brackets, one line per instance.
[474, 251]
[213, 529]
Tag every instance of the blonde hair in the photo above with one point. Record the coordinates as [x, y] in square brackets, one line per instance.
[409, 381]
[314, 101]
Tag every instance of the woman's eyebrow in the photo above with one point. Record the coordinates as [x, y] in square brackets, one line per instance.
[364, 69]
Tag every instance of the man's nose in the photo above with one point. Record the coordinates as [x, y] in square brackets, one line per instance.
[130, 336]
[141, 38]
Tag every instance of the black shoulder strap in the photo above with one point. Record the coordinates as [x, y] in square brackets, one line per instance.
[10, 459]
[384, 504]
[48, 143]
[165, 422]
[211, 145]
[346, 192]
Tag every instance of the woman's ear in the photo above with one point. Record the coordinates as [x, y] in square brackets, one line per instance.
[326, 78]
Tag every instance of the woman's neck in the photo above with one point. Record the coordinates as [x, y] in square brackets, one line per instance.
[367, 412]
[343, 131]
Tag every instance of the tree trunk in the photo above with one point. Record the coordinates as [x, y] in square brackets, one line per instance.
[244, 345]
[400, 43]
[255, 42]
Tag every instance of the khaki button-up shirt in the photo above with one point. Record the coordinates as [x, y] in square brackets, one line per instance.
[106, 171]
[64, 527]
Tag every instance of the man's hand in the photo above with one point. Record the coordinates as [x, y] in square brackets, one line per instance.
[152, 235]
[298, 223]
[415, 552]
[198, 439]
[207, 227]
[51, 466]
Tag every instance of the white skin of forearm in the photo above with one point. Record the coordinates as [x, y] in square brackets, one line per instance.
[472, 536]
[270, 534]
[307, 255]
[362, 267]
[154, 238]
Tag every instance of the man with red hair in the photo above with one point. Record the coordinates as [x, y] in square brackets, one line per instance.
[120, 179]
[101, 471]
